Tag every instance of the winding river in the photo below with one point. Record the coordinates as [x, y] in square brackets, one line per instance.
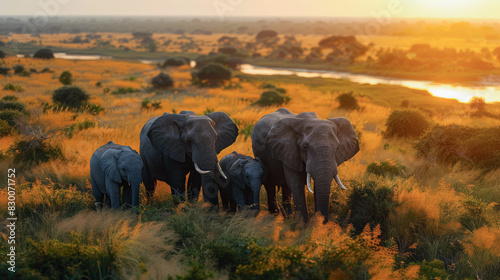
[490, 91]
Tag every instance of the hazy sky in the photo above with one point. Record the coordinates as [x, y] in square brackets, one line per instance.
[259, 8]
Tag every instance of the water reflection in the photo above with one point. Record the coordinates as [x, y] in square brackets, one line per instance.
[461, 93]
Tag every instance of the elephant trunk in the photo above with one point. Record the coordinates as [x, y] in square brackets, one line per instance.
[255, 185]
[135, 185]
[322, 183]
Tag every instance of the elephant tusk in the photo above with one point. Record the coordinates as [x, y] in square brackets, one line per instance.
[339, 183]
[221, 172]
[199, 170]
[309, 183]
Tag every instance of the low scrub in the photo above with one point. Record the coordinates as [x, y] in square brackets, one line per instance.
[406, 123]
[347, 101]
[272, 98]
[13, 88]
[386, 168]
[70, 96]
[211, 75]
[450, 144]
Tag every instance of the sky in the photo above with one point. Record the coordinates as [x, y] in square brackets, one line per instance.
[489, 9]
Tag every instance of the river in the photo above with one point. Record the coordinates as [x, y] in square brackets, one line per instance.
[490, 92]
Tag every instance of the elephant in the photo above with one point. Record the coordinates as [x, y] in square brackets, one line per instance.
[112, 167]
[173, 145]
[296, 148]
[246, 176]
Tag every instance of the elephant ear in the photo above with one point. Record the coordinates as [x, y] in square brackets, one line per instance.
[226, 130]
[348, 141]
[165, 136]
[237, 173]
[109, 164]
[281, 141]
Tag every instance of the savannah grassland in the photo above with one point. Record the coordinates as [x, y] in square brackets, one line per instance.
[425, 221]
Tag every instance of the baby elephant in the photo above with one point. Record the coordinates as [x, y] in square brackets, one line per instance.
[246, 175]
[114, 166]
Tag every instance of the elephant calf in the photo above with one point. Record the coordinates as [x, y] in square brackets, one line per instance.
[246, 176]
[113, 166]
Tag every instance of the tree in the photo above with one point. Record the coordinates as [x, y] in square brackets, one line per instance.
[66, 78]
[70, 96]
[266, 35]
[213, 74]
[152, 46]
[478, 103]
[162, 81]
[347, 47]
[347, 101]
[44, 54]
[2, 54]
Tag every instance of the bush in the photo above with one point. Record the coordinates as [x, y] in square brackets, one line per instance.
[213, 74]
[12, 105]
[5, 128]
[386, 169]
[66, 78]
[347, 101]
[450, 144]
[122, 90]
[2, 54]
[44, 54]
[70, 131]
[19, 69]
[70, 96]
[12, 87]
[272, 97]
[11, 116]
[10, 98]
[406, 123]
[370, 203]
[35, 150]
[176, 61]
[162, 81]
[4, 71]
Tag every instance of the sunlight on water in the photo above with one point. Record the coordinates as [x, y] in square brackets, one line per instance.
[461, 93]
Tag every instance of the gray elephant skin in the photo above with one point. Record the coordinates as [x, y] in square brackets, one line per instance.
[113, 167]
[295, 148]
[173, 145]
[246, 176]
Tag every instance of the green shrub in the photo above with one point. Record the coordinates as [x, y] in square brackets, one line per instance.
[18, 69]
[14, 88]
[66, 78]
[347, 101]
[44, 54]
[122, 90]
[212, 74]
[433, 270]
[4, 71]
[162, 81]
[11, 116]
[70, 131]
[450, 144]
[246, 131]
[386, 169]
[272, 97]
[70, 96]
[10, 98]
[176, 61]
[12, 105]
[5, 128]
[473, 216]
[35, 150]
[406, 123]
[370, 203]
[57, 260]
[2, 54]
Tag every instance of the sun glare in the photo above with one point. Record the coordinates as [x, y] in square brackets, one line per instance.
[451, 4]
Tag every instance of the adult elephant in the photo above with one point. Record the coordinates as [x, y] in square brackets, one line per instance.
[173, 145]
[246, 176]
[295, 148]
[113, 167]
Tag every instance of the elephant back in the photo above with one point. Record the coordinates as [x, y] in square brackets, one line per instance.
[262, 128]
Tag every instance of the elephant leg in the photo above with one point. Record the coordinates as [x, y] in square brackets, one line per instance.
[271, 198]
[210, 190]
[107, 200]
[296, 182]
[194, 186]
[127, 195]
[98, 195]
[149, 181]
[178, 184]
[286, 199]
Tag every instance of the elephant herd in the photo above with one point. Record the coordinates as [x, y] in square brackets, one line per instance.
[289, 150]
